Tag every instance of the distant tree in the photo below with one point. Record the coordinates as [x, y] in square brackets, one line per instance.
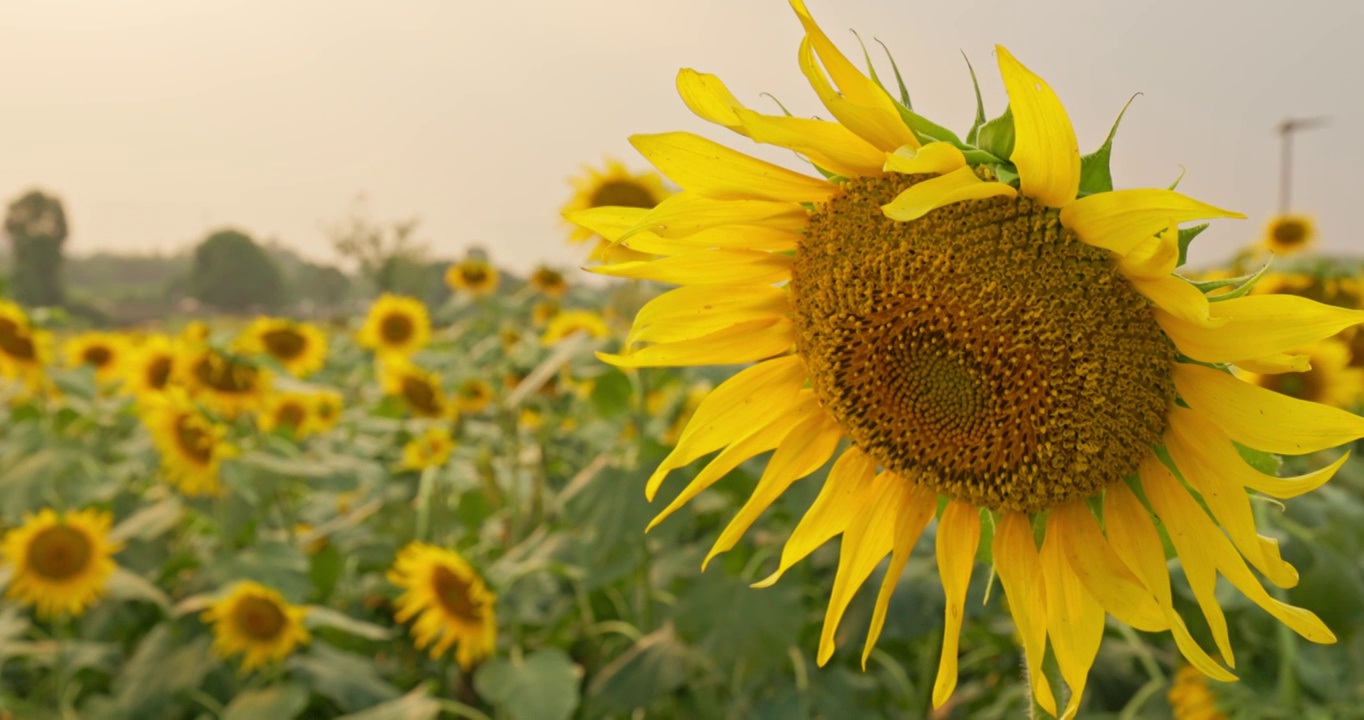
[323, 284]
[380, 252]
[232, 273]
[36, 225]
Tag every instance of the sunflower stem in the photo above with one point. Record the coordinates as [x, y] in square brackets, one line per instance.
[425, 490]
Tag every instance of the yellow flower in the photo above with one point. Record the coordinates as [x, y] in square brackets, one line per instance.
[1330, 380]
[474, 395]
[227, 383]
[548, 282]
[105, 352]
[542, 312]
[24, 349]
[327, 405]
[476, 278]
[293, 410]
[300, 347]
[151, 366]
[396, 325]
[1190, 697]
[192, 447]
[420, 390]
[570, 322]
[449, 601]
[1289, 234]
[530, 419]
[614, 186]
[254, 621]
[61, 563]
[430, 449]
[987, 327]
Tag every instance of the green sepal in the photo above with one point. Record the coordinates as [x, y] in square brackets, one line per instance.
[1005, 173]
[926, 130]
[904, 91]
[1186, 237]
[774, 99]
[997, 136]
[980, 104]
[1244, 285]
[1179, 179]
[1095, 173]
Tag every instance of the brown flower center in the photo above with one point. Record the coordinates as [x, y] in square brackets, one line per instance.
[284, 344]
[1289, 232]
[291, 414]
[16, 341]
[225, 375]
[623, 193]
[97, 356]
[260, 618]
[194, 441]
[422, 396]
[396, 328]
[59, 552]
[159, 371]
[452, 592]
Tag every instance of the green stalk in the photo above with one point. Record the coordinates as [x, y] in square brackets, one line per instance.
[425, 490]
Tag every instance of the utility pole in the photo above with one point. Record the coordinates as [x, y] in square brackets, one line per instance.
[1286, 130]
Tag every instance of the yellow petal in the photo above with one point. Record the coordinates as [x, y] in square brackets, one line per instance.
[750, 399]
[806, 449]
[686, 213]
[853, 85]
[1194, 535]
[1100, 569]
[1119, 221]
[1075, 620]
[916, 505]
[1020, 572]
[764, 438]
[1045, 150]
[879, 125]
[713, 170]
[1179, 299]
[1191, 434]
[1259, 326]
[868, 538]
[694, 311]
[1274, 364]
[932, 159]
[929, 195]
[708, 267]
[1263, 419]
[843, 495]
[958, 538]
[738, 344]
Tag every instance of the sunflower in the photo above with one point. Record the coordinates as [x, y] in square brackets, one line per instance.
[24, 349]
[572, 322]
[449, 600]
[474, 395]
[299, 347]
[542, 312]
[150, 366]
[1190, 697]
[1289, 234]
[475, 278]
[613, 186]
[292, 410]
[256, 622]
[430, 449]
[989, 327]
[419, 389]
[230, 384]
[61, 562]
[105, 352]
[1329, 380]
[548, 282]
[327, 405]
[396, 325]
[192, 446]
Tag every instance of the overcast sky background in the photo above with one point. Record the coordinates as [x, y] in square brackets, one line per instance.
[159, 120]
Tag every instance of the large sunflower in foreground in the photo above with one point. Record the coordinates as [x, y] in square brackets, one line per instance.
[988, 326]
[449, 600]
[396, 325]
[61, 563]
[256, 622]
[299, 347]
[192, 446]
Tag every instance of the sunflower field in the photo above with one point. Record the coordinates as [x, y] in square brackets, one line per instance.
[945, 427]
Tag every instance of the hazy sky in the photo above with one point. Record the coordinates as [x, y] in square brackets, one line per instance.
[157, 120]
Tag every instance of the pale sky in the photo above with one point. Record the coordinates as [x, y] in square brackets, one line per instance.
[158, 120]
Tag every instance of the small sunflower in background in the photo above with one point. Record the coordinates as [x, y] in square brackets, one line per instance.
[979, 326]
[542, 312]
[255, 622]
[473, 277]
[299, 347]
[104, 352]
[474, 395]
[548, 282]
[229, 384]
[1325, 376]
[612, 186]
[24, 349]
[150, 368]
[292, 410]
[420, 390]
[192, 446]
[449, 601]
[1289, 234]
[430, 449]
[396, 325]
[572, 322]
[1191, 698]
[61, 562]
[327, 406]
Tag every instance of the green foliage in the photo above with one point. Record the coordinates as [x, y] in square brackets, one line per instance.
[36, 226]
[232, 273]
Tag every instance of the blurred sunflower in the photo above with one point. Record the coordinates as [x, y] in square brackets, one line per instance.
[1190, 697]
[571, 322]
[254, 621]
[24, 349]
[449, 600]
[474, 395]
[419, 389]
[475, 278]
[105, 352]
[430, 449]
[1330, 380]
[1289, 234]
[991, 329]
[229, 384]
[396, 325]
[612, 186]
[327, 405]
[548, 282]
[61, 563]
[300, 347]
[192, 446]
[150, 366]
[293, 410]
[542, 312]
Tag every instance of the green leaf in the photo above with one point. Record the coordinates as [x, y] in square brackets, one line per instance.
[416, 705]
[997, 136]
[1095, 175]
[539, 686]
[654, 666]
[127, 585]
[1186, 236]
[926, 130]
[162, 666]
[324, 570]
[280, 702]
[319, 616]
[1267, 463]
[611, 393]
[351, 681]
[149, 522]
